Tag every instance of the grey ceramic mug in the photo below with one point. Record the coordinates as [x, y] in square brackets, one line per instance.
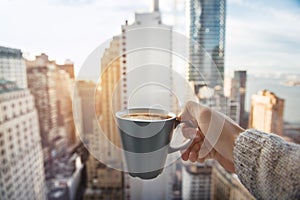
[146, 142]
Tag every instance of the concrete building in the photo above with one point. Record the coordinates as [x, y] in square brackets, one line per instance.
[64, 106]
[147, 81]
[85, 90]
[206, 22]
[266, 112]
[21, 170]
[146, 62]
[110, 96]
[233, 110]
[12, 66]
[68, 67]
[41, 76]
[196, 182]
[103, 182]
[210, 181]
[238, 94]
[64, 184]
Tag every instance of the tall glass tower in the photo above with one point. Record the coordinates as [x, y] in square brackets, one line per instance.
[207, 40]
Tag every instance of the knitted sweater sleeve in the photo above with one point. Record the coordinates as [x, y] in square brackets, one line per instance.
[268, 166]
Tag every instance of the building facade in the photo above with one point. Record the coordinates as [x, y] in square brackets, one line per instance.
[238, 94]
[110, 96]
[266, 112]
[21, 170]
[86, 92]
[206, 21]
[147, 81]
[211, 181]
[41, 76]
[68, 67]
[64, 106]
[146, 61]
[104, 182]
[12, 66]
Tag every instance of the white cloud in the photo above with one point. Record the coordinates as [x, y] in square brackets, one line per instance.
[270, 39]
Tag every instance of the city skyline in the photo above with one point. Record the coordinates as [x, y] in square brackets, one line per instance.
[60, 132]
[266, 31]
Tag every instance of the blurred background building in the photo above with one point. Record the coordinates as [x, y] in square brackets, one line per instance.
[206, 22]
[238, 94]
[21, 155]
[12, 66]
[41, 75]
[267, 112]
[51, 85]
[210, 181]
[147, 81]
[110, 96]
[103, 182]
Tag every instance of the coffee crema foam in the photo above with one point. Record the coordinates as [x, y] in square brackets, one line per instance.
[146, 116]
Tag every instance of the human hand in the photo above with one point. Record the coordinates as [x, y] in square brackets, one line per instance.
[213, 138]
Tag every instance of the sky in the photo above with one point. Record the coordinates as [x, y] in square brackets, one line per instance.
[261, 36]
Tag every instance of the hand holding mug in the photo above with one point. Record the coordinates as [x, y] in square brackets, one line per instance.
[214, 136]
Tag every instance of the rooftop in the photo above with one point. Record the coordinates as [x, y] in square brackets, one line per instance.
[8, 86]
[10, 52]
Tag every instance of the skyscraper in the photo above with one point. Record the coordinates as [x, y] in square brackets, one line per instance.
[41, 76]
[146, 63]
[12, 66]
[238, 93]
[207, 39]
[85, 91]
[21, 170]
[146, 80]
[110, 94]
[104, 182]
[64, 106]
[266, 112]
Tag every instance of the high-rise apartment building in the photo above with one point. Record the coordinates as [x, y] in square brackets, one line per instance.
[50, 84]
[206, 21]
[233, 110]
[12, 66]
[21, 170]
[104, 182]
[64, 106]
[41, 76]
[238, 94]
[147, 81]
[266, 112]
[146, 61]
[196, 182]
[86, 91]
[110, 94]
[210, 181]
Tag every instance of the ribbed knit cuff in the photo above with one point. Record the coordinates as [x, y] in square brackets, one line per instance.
[246, 155]
[263, 162]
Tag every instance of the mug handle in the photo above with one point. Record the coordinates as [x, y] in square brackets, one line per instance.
[186, 143]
